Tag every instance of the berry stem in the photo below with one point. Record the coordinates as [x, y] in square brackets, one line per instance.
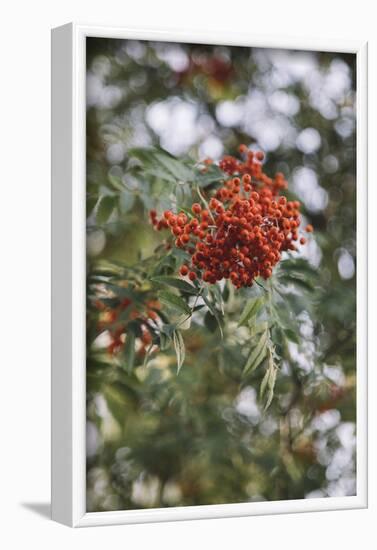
[205, 203]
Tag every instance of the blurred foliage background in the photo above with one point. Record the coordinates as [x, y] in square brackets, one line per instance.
[157, 439]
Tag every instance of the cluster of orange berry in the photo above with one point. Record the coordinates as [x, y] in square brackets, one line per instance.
[244, 229]
[111, 321]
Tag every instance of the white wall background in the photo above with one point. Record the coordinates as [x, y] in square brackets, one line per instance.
[25, 271]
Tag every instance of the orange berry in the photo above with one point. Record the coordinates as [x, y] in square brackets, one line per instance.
[177, 231]
[253, 225]
[183, 270]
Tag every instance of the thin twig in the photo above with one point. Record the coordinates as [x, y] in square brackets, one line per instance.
[206, 204]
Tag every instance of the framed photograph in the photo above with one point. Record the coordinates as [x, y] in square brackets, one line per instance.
[209, 278]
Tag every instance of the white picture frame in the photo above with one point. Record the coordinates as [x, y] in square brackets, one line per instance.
[68, 279]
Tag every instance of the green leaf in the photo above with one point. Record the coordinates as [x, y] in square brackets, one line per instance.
[217, 297]
[143, 154]
[164, 341]
[156, 172]
[119, 397]
[210, 321]
[180, 350]
[129, 352]
[269, 380]
[148, 354]
[126, 201]
[122, 292]
[175, 167]
[150, 166]
[184, 322]
[226, 293]
[297, 280]
[168, 329]
[174, 301]
[212, 175]
[271, 385]
[263, 385]
[291, 335]
[174, 282]
[257, 354]
[115, 182]
[298, 265]
[105, 207]
[251, 309]
[160, 164]
[214, 312]
[257, 328]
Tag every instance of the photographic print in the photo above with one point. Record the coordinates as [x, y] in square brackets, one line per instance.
[221, 274]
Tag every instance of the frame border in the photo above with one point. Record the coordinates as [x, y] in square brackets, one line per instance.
[68, 453]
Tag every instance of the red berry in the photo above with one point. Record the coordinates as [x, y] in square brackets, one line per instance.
[183, 270]
[177, 231]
